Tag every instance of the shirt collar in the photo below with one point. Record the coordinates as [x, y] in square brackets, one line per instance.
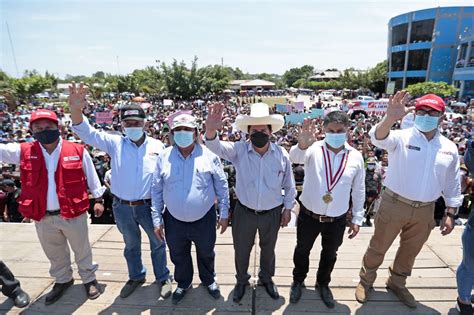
[57, 149]
[195, 152]
[250, 147]
[420, 134]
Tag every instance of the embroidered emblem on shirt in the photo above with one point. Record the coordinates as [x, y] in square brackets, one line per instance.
[71, 158]
[412, 147]
[445, 152]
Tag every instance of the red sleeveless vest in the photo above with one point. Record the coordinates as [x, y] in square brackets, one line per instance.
[71, 185]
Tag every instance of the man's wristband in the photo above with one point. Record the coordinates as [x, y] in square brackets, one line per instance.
[99, 200]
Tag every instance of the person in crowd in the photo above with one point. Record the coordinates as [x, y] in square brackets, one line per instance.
[423, 164]
[263, 171]
[11, 213]
[334, 175]
[187, 180]
[55, 178]
[373, 187]
[133, 161]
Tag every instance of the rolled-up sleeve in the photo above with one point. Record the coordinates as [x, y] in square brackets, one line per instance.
[390, 143]
[221, 188]
[452, 184]
[297, 155]
[10, 153]
[358, 194]
[157, 202]
[93, 182]
[288, 184]
[95, 138]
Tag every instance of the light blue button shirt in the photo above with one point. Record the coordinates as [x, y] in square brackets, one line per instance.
[259, 179]
[188, 186]
[132, 166]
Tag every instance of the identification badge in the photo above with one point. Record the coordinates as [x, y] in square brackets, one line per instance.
[71, 158]
[412, 147]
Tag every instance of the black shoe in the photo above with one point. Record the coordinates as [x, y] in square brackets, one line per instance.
[295, 293]
[178, 295]
[326, 295]
[21, 299]
[271, 289]
[368, 222]
[92, 290]
[57, 291]
[464, 309]
[130, 286]
[214, 291]
[239, 291]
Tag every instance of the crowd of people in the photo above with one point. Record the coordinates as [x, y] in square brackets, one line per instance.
[227, 160]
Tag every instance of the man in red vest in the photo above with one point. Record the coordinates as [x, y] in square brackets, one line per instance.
[55, 178]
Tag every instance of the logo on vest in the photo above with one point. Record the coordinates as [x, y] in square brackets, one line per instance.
[71, 158]
[32, 157]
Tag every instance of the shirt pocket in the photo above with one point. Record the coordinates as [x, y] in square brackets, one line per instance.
[202, 178]
[274, 178]
[73, 172]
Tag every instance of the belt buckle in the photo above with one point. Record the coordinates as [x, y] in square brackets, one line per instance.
[322, 219]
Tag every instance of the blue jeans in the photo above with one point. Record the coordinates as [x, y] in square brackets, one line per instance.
[180, 235]
[465, 272]
[128, 220]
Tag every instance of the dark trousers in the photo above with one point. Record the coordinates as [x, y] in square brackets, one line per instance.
[307, 231]
[10, 285]
[245, 225]
[180, 235]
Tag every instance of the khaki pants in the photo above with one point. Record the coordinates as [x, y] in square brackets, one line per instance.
[414, 226]
[54, 233]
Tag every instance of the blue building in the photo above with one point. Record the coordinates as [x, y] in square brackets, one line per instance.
[432, 45]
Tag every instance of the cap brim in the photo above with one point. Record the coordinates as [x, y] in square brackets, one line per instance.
[183, 125]
[133, 118]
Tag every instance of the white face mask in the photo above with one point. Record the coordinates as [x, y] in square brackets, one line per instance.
[134, 133]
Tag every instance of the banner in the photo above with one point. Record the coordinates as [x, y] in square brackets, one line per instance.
[282, 108]
[317, 113]
[104, 117]
[299, 106]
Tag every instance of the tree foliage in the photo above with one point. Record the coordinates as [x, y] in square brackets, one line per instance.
[442, 89]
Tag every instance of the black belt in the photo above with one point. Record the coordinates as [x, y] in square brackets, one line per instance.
[321, 218]
[256, 212]
[141, 202]
[54, 212]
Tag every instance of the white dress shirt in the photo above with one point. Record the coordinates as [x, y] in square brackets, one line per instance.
[259, 179]
[315, 186]
[132, 166]
[421, 170]
[11, 153]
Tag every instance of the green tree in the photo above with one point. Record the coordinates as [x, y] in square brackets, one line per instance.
[377, 77]
[294, 74]
[442, 89]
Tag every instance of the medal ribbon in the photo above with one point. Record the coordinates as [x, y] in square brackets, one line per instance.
[331, 181]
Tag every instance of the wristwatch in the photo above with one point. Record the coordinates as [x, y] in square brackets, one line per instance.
[99, 200]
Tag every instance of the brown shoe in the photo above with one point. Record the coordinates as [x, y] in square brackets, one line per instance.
[362, 293]
[403, 295]
[92, 290]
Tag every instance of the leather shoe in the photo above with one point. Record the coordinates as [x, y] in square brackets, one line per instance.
[403, 295]
[130, 286]
[21, 299]
[271, 289]
[239, 291]
[362, 293]
[57, 291]
[92, 290]
[295, 293]
[326, 295]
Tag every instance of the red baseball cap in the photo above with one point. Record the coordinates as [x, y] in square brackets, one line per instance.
[432, 101]
[43, 114]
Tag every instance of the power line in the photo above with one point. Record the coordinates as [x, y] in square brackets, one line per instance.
[13, 50]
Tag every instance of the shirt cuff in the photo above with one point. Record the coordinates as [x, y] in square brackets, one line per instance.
[223, 213]
[289, 204]
[454, 202]
[98, 192]
[357, 220]
[83, 126]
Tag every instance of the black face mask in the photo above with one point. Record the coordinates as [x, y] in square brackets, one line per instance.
[259, 139]
[46, 136]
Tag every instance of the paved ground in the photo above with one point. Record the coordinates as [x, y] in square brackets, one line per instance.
[433, 281]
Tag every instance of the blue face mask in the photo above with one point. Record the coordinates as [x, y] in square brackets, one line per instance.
[335, 140]
[183, 138]
[134, 133]
[426, 123]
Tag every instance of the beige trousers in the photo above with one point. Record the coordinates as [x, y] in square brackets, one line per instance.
[393, 218]
[54, 233]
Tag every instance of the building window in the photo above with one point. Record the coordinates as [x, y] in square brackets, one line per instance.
[398, 61]
[418, 59]
[422, 31]
[470, 61]
[462, 56]
[399, 34]
[414, 80]
[398, 84]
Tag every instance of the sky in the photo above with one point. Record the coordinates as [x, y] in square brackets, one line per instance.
[114, 36]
